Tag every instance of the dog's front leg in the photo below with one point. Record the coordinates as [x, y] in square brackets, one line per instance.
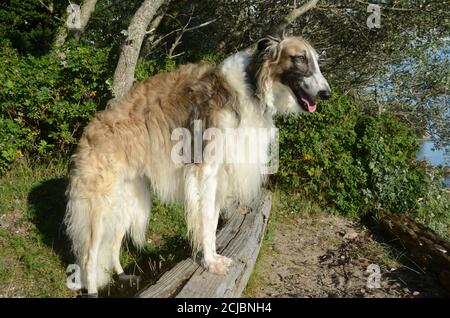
[210, 216]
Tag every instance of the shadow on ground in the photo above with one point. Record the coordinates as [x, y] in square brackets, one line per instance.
[47, 203]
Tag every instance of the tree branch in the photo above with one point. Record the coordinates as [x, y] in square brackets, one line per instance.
[183, 30]
[86, 11]
[49, 8]
[292, 16]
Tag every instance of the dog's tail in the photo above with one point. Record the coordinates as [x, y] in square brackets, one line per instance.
[97, 222]
[84, 227]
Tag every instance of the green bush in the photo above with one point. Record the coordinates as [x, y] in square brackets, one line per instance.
[433, 209]
[350, 161]
[46, 101]
[13, 140]
[387, 150]
[147, 68]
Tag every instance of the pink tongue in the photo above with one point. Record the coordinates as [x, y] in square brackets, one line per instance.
[311, 105]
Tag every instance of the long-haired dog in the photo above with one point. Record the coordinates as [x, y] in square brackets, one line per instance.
[125, 151]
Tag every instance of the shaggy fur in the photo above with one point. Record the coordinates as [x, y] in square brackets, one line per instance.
[124, 152]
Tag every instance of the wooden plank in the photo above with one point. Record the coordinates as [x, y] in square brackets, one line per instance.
[169, 284]
[173, 280]
[240, 239]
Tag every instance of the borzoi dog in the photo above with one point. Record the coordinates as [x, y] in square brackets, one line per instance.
[125, 151]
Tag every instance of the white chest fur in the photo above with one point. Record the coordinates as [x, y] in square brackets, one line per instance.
[248, 140]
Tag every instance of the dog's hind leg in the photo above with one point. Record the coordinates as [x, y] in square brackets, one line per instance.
[135, 211]
[91, 265]
[85, 220]
[118, 269]
[116, 246]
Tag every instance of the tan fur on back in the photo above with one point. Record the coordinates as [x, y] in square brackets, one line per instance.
[136, 133]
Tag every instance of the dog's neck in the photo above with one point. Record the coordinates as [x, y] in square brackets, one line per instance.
[251, 71]
[261, 83]
[241, 71]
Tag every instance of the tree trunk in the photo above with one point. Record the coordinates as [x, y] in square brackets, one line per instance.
[423, 246]
[86, 11]
[61, 36]
[124, 73]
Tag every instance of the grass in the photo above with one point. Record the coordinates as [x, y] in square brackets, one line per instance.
[34, 250]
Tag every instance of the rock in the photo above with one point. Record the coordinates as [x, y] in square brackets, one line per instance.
[351, 234]
[4, 224]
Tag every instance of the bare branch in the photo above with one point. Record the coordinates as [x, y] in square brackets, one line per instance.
[49, 8]
[178, 54]
[155, 23]
[182, 31]
[292, 16]
[200, 25]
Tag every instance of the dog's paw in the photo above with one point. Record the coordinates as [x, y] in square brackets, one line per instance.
[218, 264]
[225, 260]
[132, 280]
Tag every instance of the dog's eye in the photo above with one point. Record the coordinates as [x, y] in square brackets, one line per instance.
[299, 58]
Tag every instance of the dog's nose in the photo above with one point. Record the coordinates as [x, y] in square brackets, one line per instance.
[324, 94]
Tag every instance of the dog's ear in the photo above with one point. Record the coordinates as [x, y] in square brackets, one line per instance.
[268, 41]
[283, 33]
[280, 31]
[271, 47]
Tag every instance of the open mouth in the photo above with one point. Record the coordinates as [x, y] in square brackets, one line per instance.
[303, 99]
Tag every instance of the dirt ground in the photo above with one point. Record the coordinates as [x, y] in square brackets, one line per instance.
[328, 256]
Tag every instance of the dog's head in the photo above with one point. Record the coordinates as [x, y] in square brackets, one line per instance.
[287, 74]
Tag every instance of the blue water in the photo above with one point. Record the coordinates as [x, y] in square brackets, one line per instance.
[434, 157]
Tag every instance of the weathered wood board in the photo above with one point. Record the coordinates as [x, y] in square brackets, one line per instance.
[240, 239]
